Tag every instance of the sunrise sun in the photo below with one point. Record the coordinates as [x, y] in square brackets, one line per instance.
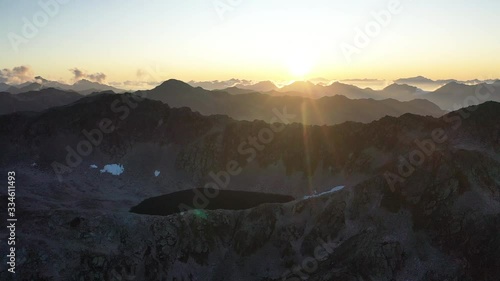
[299, 66]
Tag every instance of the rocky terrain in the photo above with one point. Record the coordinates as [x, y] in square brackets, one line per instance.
[421, 198]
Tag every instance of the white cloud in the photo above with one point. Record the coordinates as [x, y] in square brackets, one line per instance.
[95, 77]
[17, 75]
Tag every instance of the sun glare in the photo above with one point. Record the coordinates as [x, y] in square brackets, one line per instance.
[299, 66]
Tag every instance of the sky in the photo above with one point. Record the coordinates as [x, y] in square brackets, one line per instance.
[155, 40]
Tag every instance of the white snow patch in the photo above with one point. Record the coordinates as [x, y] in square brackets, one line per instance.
[114, 169]
[157, 173]
[34, 165]
[93, 166]
[333, 190]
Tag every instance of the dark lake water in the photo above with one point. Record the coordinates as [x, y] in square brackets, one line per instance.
[226, 199]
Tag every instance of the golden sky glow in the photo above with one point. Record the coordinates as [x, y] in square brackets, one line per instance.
[257, 40]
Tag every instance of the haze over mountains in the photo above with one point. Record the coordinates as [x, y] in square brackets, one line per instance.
[377, 84]
[327, 110]
[245, 100]
[449, 96]
[352, 88]
[429, 84]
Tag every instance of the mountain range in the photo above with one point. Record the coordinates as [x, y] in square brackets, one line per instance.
[447, 97]
[36, 100]
[82, 86]
[312, 103]
[450, 94]
[264, 86]
[432, 85]
[327, 110]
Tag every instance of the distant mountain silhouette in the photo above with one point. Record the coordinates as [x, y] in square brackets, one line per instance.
[455, 88]
[448, 96]
[233, 85]
[304, 88]
[352, 92]
[4, 87]
[52, 84]
[236, 91]
[403, 92]
[418, 79]
[423, 82]
[26, 87]
[326, 110]
[36, 100]
[456, 95]
[248, 104]
[263, 86]
[309, 89]
[87, 87]
[219, 85]
[83, 86]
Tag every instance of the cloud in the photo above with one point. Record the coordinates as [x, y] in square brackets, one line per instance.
[363, 80]
[217, 85]
[17, 75]
[135, 85]
[367, 82]
[95, 77]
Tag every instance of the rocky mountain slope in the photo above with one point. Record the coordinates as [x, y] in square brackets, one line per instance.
[421, 198]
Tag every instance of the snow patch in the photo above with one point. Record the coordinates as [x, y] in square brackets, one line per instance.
[333, 190]
[114, 169]
[93, 166]
[157, 173]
